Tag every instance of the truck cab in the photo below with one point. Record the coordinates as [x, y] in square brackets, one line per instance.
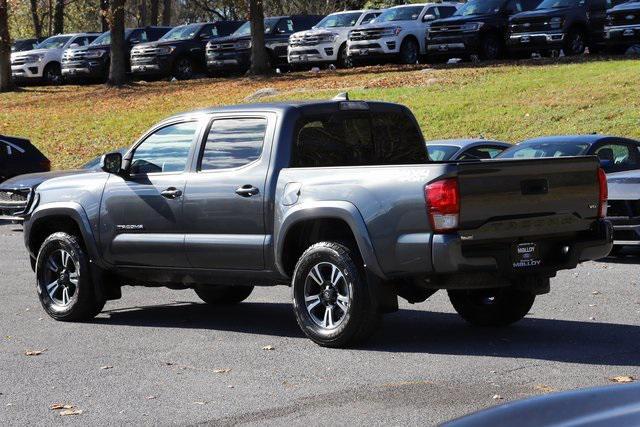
[479, 27]
[180, 53]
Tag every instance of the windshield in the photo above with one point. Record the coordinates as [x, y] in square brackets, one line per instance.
[245, 29]
[409, 13]
[55, 42]
[183, 32]
[557, 4]
[439, 153]
[339, 20]
[531, 150]
[479, 7]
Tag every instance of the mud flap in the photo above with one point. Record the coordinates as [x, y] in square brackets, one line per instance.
[383, 294]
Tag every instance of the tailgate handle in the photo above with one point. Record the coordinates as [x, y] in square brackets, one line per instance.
[534, 186]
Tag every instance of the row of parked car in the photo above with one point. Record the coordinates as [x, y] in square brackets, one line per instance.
[619, 158]
[487, 29]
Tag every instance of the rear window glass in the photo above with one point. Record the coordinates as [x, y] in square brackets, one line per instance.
[354, 139]
[544, 149]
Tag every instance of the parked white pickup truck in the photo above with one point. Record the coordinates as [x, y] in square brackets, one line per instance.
[326, 42]
[43, 63]
[399, 32]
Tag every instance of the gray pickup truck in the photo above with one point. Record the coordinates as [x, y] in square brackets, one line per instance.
[337, 199]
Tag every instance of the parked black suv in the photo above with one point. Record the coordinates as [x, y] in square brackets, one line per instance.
[180, 52]
[570, 25]
[622, 28]
[478, 27]
[18, 156]
[25, 44]
[93, 61]
[234, 52]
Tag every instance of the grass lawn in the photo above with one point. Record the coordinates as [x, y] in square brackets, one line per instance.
[505, 101]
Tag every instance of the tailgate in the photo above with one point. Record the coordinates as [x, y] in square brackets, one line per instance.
[523, 197]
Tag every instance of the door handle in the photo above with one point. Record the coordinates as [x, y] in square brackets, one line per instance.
[171, 193]
[247, 190]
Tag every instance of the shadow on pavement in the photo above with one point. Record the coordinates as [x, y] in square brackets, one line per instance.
[627, 255]
[414, 331]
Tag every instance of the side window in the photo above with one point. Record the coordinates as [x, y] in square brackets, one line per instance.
[232, 143]
[530, 4]
[368, 18]
[446, 11]
[433, 11]
[166, 150]
[285, 26]
[513, 7]
[210, 31]
[476, 153]
[618, 157]
[139, 35]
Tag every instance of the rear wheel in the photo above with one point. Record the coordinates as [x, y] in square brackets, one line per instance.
[409, 51]
[64, 283]
[574, 43]
[331, 298]
[223, 295]
[492, 307]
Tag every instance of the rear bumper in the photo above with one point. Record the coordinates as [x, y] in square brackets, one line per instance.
[451, 255]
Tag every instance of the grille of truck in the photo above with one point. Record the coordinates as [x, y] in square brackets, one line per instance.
[449, 30]
[358, 35]
[304, 41]
[624, 18]
[19, 60]
[14, 196]
[74, 56]
[220, 47]
[540, 24]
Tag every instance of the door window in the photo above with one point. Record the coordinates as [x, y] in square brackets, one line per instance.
[284, 26]
[618, 157]
[484, 152]
[232, 143]
[166, 150]
[433, 11]
[209, 31]
[446, 11]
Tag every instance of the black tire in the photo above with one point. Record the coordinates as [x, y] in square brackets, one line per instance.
[574, 43]
[490, 47]
[409, 51]
[616, 250]
[63, 261]
[343, 60]
[348, 314]
[223, 295]
[52, 74]
[183, 68]
[492, 307]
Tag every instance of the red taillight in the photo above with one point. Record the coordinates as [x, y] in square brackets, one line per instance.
[443, 204]
[604, 193]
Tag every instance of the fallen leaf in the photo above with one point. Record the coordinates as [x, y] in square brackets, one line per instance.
[595, 293]
[34, 352]
[200, 403]
[497, 397]
[151, 397]
[268, 347]
[106, 367]
[622, 379]
[70, 412]
[57, 406]
[230, 386]
[544, 388]
[221, 370]
[169, 363]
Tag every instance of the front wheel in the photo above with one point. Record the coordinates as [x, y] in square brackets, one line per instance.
[183, 69]
[52, 74]
[492, 307]
[490, 47]
[409, 51]
[574, 43]
[223, 295]
[331, 298]
[344, 60]
[64, 283]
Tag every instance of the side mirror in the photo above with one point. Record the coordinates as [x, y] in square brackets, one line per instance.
[427, 18]
[134, 41]
[74, 45]
[112, 163]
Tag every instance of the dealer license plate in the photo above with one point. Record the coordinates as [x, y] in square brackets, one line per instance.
[525, 255]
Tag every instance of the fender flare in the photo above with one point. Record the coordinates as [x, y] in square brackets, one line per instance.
[71, 210]
[342, 210]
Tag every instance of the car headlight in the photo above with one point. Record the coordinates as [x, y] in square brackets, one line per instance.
[391, 31]
[472, 26]
[165, 50]
[98, 53]
[34, 58]
[327, 38]
[243, 44]
[555, 23]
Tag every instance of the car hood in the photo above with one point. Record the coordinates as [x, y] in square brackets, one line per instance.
[456, 20]
[634, 5]
[539, 13]
[624, 185]
[378, 25]
[318, 32]
[160, 43]
[231, 39]
[31, 52]
[32, 180]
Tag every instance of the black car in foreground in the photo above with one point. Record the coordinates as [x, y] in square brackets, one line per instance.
[567, 25]
[615, 405]
[464, 149]
[622, 28]
[180, 53]
[15, 192]
[233, 53]
[616, 154]
[479, 27]
[93, 61]
[18, 156]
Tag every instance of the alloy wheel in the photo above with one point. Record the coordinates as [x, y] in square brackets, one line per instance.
[61, 277]
[327, 296]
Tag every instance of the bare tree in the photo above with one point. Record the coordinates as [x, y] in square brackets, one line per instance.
[5, 49]
[118, 69]
[37, 24]
[166, 12]
[259, 55]
[154, 12]
[142, 10]
[58, 17]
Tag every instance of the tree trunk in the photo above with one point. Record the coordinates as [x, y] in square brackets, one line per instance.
[118, 69]
[166, 13]
[153, 13]
[104, 13]
[58, 17]
[37, 24]
[143, 13]
[259, 56]
[5, 49]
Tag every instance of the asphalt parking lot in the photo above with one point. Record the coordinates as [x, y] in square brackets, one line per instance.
[162, 357]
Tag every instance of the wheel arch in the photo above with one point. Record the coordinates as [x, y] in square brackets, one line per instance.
[309, 224]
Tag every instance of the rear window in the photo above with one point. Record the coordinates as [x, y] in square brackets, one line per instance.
[358, 139]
